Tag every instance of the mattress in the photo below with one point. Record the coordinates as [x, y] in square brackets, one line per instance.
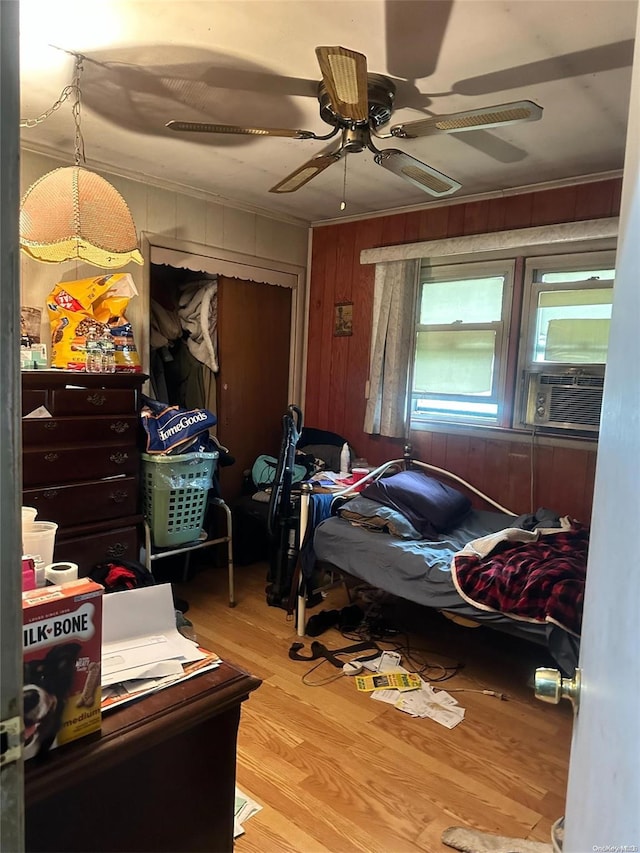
[420, 571]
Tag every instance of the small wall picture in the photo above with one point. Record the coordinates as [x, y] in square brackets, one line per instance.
[30, 319]
[343, 319]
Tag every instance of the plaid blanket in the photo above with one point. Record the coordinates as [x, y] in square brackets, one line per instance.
[536, 581]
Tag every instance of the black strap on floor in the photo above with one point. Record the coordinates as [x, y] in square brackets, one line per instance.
[318, 650]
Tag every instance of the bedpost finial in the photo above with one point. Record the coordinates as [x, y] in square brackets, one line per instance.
[407, 456]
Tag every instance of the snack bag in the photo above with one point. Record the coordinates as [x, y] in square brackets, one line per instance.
[92, 308]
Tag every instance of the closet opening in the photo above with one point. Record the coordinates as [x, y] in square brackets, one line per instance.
[223, 343]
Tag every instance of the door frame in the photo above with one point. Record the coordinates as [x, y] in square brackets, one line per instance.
[12, 773]
[273, 272]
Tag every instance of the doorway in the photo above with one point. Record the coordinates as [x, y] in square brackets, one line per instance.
[223, 343]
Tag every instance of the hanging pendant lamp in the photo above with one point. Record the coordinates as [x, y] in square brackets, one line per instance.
[72, 213]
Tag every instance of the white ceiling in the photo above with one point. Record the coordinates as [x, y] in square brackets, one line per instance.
[253, 62]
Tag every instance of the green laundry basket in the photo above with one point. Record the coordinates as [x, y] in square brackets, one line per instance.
[174, 495]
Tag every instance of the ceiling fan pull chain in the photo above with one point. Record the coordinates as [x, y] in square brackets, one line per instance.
[343, 203]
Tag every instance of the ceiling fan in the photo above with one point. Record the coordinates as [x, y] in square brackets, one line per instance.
[355, 104]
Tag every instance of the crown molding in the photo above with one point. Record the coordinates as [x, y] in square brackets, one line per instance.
[162, 183]
[464, 199]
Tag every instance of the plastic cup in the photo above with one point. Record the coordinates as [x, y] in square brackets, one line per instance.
[39, 540]
[29, 514]
[358, 474]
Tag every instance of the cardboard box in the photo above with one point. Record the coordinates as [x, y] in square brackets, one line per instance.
[62, 645]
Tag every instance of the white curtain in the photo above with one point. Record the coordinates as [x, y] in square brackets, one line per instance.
[387, 410]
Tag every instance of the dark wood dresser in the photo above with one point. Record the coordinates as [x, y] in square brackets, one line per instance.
[80, 466]
[160, 777]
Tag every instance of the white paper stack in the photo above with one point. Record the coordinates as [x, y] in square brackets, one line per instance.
[425, 702]
[245, 808]
[142, 649]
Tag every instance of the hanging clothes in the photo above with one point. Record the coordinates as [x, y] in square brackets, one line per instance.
[198, 314]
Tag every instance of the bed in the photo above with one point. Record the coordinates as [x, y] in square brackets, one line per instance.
[512, 573]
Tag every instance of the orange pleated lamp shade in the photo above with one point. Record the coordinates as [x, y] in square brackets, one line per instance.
[72, 213]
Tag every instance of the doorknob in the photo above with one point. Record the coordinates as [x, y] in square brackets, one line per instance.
[550, 686]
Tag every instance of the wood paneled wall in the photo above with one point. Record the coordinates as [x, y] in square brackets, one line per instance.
[337, 367]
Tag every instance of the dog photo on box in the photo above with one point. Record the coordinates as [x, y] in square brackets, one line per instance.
[62, 642]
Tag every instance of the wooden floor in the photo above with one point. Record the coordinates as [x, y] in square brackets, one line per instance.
[337, 772]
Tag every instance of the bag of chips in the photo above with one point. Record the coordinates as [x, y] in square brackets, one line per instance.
[90, 310]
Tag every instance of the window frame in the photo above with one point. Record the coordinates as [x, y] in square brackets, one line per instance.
[430, 272]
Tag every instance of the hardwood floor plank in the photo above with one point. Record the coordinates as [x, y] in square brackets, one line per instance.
[337, 772]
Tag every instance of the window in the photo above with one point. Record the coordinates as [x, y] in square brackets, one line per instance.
[569, 310]
[460, 347]
[466, 339]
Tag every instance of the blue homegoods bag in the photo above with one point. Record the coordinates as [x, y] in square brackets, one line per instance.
[264, 470]
[171, 429]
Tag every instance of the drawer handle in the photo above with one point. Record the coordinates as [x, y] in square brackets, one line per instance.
[96, 399]
[116, 550]
[51, 425]
[118, 457]
[119, 497]
[51, 457]
[49, 494]
[119, 427]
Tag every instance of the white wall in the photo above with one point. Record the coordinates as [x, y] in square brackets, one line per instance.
[163, 212]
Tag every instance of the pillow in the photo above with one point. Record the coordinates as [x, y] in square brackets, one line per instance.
[431, 506]
[375, 516]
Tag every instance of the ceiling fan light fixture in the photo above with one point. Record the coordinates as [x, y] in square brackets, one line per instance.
[355, 103]
[423, 176]
[72, 213]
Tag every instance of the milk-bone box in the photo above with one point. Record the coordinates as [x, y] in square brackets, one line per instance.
[62, 645]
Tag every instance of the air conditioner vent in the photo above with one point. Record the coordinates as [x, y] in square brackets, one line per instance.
[579, 379]
[564, 400]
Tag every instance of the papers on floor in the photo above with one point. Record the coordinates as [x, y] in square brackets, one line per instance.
[245, 808]
[142, 649]
[437, 705]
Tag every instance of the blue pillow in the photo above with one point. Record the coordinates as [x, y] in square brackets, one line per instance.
[431, 506]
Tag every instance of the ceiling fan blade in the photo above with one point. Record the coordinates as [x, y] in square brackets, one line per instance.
[344, 73]
[483, 118]
[305, 173]
[417, 173]
[206, 127]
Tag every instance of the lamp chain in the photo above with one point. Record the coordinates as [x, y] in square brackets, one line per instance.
[72, 89]
[75, 109]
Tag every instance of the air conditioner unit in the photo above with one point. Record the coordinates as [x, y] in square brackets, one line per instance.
[571, 399]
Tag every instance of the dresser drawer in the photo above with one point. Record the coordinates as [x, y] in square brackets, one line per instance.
[32, 399]
[87, 551]
[44, 432]
[83, 503]
[65, 464]
[92, 401]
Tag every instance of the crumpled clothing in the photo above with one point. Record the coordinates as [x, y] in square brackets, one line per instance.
[165, 326]
[198, 313]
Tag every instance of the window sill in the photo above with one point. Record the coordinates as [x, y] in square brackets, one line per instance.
[544, 439]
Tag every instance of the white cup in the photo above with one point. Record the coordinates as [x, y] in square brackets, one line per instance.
[29, 514]
[39, 540]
